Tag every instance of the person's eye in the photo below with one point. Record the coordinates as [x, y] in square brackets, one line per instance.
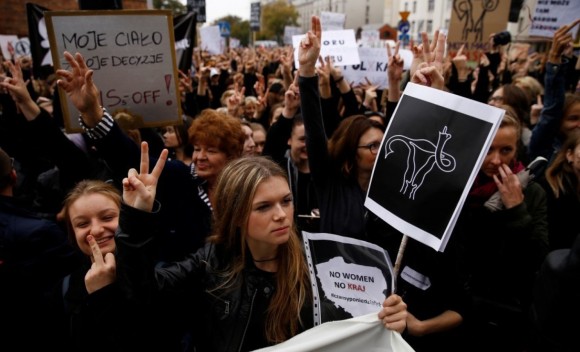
[287, 200]
[81, 225]
[263, 207]
[506, 150]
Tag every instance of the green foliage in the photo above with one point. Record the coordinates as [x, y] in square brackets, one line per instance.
[174, 5]
[239, 29]
[276, 16]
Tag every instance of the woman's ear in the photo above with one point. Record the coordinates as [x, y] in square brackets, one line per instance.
[13, 177]
[569, 155]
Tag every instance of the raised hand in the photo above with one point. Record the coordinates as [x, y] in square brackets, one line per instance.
[509, 187]
[309, 49]
[80, 88]
[103, 271]
[536, 110]
[460, 63]
[561, 40]
[430, 73]
[185, 82]
[291, 99]
[396, 64]
[139, 189]
[16, 86]
[235, 100]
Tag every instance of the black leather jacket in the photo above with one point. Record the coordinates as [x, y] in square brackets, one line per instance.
[221, 317]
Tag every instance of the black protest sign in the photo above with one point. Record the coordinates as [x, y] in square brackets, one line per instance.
[429, 157]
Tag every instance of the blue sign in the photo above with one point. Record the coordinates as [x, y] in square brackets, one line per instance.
[404, 26]
[225, 29]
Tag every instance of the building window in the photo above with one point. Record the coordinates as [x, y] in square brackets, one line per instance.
[367, 14]
[420, 26]
[431, 5]
[406, 6]
[414, 6]
[429, 26]
[447, 24]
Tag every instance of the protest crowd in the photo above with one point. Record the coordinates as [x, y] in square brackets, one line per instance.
[187, 237]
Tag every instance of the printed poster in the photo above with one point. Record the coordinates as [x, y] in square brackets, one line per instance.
[430, 155]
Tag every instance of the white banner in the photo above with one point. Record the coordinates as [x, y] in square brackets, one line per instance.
[548, 16]
[365, 333]
[373, 66]
[340, 45]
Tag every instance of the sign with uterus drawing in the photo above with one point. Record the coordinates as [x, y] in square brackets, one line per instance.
[430, 155]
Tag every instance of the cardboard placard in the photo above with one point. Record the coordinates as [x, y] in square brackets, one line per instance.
[133, 58]
[472, 22]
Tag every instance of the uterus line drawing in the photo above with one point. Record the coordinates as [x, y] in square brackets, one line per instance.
[423, 155]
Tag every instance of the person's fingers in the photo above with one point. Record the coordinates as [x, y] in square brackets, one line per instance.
[81, 61]
[426, 46]
[97, 256]
[440, 48]
[397, 47]
[144, 167]
[316, 27]
[460, 51]
[435, 40]
[110, 260]
[321, 61]
[389, 54]
[539, 99]
[160, 164]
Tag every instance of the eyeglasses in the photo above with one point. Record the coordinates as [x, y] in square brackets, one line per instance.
[373, 147]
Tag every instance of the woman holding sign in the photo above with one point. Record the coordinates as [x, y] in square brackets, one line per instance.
[251, 280]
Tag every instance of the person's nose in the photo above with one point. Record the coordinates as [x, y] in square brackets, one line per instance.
[495, 159]
[96, 228]
[201, 154]
[280, 212]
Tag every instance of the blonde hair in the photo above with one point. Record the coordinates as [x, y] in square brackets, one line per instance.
[234, 192]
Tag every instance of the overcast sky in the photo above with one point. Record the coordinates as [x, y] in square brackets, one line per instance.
[215, 9]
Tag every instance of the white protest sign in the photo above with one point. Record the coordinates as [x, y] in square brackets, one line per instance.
[364, 333]
[133, 58]
[370, 38]
[6, 40]
[339, 45]
[373, 66]
[549, 15]
[357, 283]
[289, 32]
[331, 21]
[211, 39]
[21, 47]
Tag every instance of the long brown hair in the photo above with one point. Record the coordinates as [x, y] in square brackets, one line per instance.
[560, 173]
[235, 190]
